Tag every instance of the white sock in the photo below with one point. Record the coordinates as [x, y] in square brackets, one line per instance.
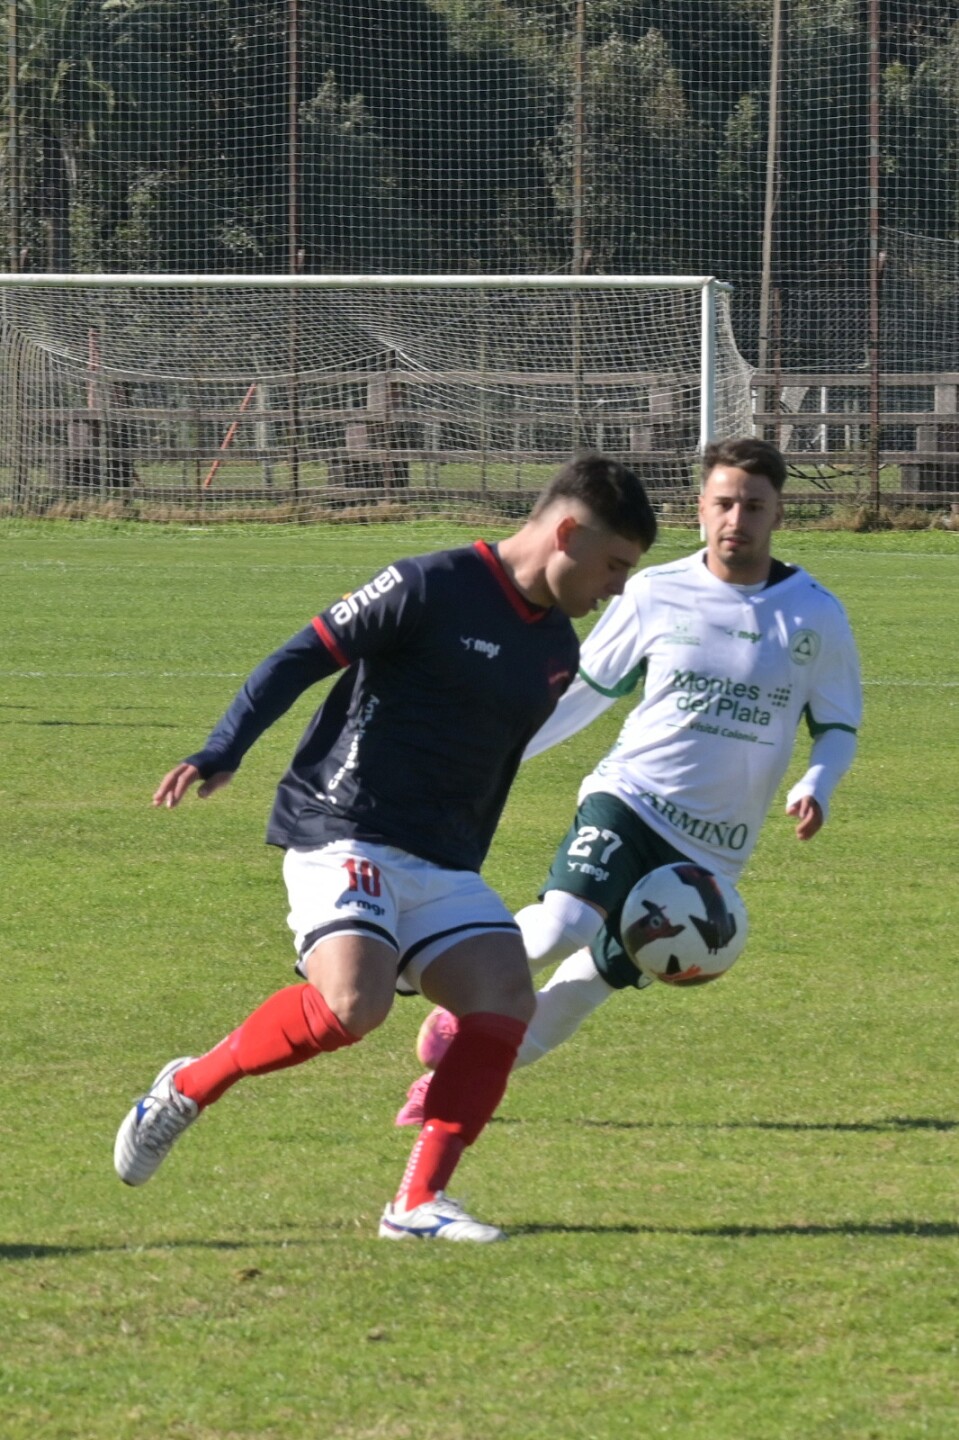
[573, 992]
[556, 927]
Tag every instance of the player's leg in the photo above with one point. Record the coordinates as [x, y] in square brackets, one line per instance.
[606, 851]
[349, 969]
[484, 980]
[594, 869]
[558, 926]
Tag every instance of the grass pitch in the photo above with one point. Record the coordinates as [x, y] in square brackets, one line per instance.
[733, 1211]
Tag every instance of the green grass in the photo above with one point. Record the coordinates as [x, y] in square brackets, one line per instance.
[733, 1211]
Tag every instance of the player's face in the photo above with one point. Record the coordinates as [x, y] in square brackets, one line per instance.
[591, 565]
[739, 513]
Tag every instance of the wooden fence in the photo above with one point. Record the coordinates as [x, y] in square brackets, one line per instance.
[825, 419]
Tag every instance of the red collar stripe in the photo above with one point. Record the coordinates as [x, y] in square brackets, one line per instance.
[526, 611]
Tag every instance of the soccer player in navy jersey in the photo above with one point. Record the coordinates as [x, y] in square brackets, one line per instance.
[450, 664]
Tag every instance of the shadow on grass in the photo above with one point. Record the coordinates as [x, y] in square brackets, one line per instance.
[914, 1229]
[104, 724]
[892, 1124]
[26, 1251]
[877, 1229]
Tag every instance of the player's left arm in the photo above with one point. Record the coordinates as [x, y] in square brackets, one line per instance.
[611, 665]
[833, 713]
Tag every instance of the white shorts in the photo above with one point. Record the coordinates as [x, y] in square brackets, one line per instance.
[355, 887]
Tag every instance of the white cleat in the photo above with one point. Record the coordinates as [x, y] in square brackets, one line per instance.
[147, 1134]
[438, 1219]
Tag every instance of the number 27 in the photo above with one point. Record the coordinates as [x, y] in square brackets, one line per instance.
[587, 837]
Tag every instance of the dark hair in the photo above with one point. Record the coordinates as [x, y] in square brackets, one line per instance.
[612, 491]
[756, 457]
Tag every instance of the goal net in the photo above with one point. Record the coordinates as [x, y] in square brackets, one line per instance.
[272, 396]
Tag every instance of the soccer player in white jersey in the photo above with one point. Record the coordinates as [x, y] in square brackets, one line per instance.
[449, 665]
[733, 651]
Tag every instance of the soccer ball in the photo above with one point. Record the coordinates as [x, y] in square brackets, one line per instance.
[683, 925]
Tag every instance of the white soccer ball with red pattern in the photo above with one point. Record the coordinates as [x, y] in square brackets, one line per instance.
[683, 924]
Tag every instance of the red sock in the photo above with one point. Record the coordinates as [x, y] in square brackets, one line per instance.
[469, 1083]
[292, 1026]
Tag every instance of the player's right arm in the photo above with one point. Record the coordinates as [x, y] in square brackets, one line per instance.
[176, 783]
[343, 634]
[266, 695]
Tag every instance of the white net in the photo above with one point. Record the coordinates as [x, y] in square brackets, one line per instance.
[227, 398]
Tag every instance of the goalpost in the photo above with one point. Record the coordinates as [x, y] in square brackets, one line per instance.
[266, 394]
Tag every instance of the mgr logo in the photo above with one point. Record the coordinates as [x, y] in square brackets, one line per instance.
[753, 636]
[481, 647]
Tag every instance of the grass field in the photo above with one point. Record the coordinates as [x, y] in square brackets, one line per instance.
[734, 1211]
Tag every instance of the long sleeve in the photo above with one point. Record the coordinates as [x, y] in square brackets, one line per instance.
[832, 753]
[266, 695]
[579, 707]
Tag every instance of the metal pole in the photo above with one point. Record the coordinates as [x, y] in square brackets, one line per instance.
[772, 197]
[292, 116]
[707, 374]
[579, 63]
[222, 280]
[707, 366]
[13, 139]
[579, 70]
[294, 252]
[875, 258]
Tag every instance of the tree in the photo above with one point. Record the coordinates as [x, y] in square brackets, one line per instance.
[62, 100]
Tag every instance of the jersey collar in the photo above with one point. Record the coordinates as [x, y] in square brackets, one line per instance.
[523, 607]
[778, 571]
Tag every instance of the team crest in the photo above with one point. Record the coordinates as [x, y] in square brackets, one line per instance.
[804, 647]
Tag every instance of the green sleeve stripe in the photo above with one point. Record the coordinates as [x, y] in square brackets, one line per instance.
[622, 687]
[816, 729]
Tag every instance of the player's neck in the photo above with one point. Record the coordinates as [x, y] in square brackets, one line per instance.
[525, 570]
[756, 572]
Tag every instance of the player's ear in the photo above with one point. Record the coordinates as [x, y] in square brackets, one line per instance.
[780, 513]
[565, 531]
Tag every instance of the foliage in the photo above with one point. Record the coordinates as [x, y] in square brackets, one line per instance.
[156, 135]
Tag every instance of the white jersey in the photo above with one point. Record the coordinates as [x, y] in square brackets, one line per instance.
[728, 675]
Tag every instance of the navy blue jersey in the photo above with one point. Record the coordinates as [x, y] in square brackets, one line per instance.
[448, 672]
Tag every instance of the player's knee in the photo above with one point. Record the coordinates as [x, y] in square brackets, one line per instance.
[501, 990]
[557, 926]
[358, 1009]
[516, 996]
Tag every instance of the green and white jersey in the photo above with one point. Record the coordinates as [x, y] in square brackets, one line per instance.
[728, 674]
